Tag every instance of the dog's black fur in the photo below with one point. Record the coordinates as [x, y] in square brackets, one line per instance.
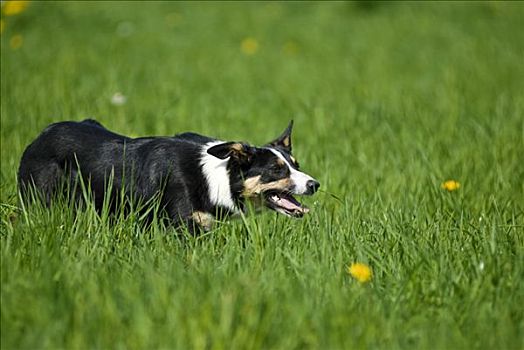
[183, 170]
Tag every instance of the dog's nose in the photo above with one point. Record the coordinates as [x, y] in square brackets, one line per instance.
[312, 186]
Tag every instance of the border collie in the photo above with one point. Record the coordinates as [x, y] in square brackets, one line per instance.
[197, 178]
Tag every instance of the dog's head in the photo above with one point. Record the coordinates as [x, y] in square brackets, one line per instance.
[267, 175]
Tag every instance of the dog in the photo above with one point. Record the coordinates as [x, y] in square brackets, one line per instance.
[198, 179]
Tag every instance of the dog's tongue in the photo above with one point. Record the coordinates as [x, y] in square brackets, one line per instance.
[291, 204]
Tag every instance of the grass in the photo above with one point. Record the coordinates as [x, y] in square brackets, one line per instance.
[389, 101]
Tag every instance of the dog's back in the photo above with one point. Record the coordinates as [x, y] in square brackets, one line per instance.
[65, 150]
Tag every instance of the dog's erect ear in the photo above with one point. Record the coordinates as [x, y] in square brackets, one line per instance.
[284, 140]
[237, 150]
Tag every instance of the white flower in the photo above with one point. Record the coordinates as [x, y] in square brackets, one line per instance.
[118, 99]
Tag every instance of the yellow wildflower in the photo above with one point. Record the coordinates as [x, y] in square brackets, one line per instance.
[273, 8]
[2, 24]
[450, 185]
[14, 7]
[360, 272]
[290, 48]
[249, 46]
[16, 41]
[173, 19]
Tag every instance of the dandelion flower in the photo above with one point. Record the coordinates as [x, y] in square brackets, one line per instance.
[249, 46]
[118, 99]
[16, 41]
[11, 8]
[290, 48]
[360, 272]
[173, 19]
[450, 185]
[274, 9]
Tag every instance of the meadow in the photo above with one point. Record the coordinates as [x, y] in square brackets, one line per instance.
[390, 101]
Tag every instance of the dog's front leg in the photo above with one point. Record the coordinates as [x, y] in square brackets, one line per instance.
[204, 220]
[195, 223]
[198, 222]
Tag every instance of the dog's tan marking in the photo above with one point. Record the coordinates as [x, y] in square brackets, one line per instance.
[286, 141]
[205, 220]
[253, 186]
[237, 147]
[280, 162]
[293, 159]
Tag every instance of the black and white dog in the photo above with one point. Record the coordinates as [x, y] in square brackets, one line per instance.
[197, 178]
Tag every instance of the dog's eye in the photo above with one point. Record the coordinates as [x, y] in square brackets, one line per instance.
[277, 167]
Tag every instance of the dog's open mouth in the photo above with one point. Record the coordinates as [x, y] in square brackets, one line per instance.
[285, 203]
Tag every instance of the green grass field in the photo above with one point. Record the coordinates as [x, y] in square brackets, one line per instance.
[389, 101]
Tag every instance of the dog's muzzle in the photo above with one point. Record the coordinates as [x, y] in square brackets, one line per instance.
[312, 186]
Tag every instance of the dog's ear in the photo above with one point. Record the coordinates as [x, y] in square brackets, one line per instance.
[284, 140]
[236, 150]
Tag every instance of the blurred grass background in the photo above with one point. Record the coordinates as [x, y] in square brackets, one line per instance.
[390, 99]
